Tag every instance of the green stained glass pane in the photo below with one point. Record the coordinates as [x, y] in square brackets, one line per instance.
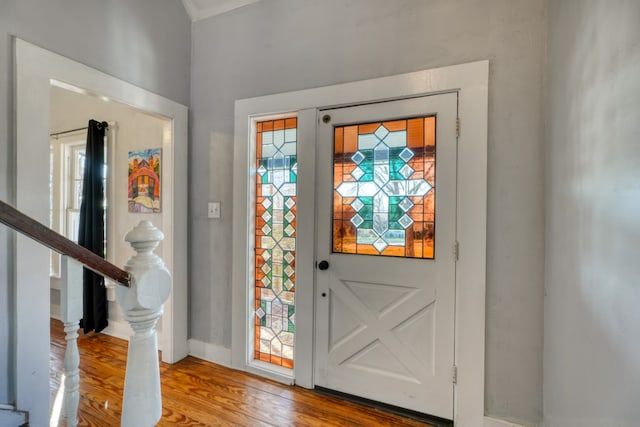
[275, 219]
[366, 212]
[367, 224]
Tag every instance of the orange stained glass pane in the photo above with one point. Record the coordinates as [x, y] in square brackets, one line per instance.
[287, 363]
[429, 203]
[291, 123]
[338, 138]
[338, 234]
[415, 133]
[430, 137]
[348, 238]
[350, 139]
[259, 127]
[430, 174]
[367, 128]
[347, 170]
[337, 172]
[267, 126]
[395, 125]
[416, 214]
[393, 251]
[278, 124]
[365, 250]
[258, 148]
[347, 212]
[337, 206]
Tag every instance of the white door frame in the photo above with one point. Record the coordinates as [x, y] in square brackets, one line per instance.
[471, 82]
[36, 69]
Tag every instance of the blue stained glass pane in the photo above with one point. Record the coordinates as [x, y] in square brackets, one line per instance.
[406, 204]
[381, 154]
[367, 141]
[396, 139]
[406, 155]
[357, 205]
[356, 220]
[357, 173]
[381, 132]
[357, 157]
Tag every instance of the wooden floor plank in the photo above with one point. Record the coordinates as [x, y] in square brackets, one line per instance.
[199, 393]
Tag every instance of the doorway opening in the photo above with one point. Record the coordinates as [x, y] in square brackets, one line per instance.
[130, 130]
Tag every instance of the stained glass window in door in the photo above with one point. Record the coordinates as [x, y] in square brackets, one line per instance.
[275, 233]
[384, 188]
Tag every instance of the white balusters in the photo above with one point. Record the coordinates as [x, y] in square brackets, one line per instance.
[71, 313]
[142, 305]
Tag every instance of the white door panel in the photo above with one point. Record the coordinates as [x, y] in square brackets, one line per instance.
[385, 324]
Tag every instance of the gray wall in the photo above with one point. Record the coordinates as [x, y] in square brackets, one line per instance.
[592, 315]
[145, 42]
[283, 45]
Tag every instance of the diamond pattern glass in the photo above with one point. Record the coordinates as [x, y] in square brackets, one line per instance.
[275, 205]
[384, 188]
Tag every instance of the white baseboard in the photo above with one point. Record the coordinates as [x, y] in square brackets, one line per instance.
[11, 418]
[497, 422]
[55, 312]
[118, 329]
[210, 352]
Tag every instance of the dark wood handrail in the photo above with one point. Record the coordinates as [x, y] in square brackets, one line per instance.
[28, 226]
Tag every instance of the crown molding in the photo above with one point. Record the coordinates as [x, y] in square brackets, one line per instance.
[202, 9]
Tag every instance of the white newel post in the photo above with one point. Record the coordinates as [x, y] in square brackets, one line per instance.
[71, 313]
[142, 305]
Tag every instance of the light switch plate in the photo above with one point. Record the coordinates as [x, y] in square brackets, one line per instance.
[214, 210]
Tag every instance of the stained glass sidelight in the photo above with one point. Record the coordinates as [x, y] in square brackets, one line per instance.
[384, 188]
[275, 229]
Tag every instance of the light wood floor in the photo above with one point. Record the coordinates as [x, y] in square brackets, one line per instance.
[199, 393]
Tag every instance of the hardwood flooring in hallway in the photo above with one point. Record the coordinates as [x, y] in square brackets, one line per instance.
[199, 393]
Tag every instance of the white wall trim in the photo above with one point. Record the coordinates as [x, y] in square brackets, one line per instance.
[471, 82]
[11, 418]
[36, 68]
[55, 312]
[210, 352]
[118, 329]
[498, 422]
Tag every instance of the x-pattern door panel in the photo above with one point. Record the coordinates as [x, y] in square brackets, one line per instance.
[385, 305]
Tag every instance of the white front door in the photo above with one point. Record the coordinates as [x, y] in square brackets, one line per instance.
[386, 238]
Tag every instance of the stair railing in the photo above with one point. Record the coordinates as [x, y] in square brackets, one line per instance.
[144, 286]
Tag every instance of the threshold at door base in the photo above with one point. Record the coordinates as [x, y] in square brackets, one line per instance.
[396, 410]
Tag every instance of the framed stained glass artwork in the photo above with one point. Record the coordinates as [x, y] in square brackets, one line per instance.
[275, 240]
[384, 188]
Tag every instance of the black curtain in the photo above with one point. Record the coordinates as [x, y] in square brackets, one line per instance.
[91, 234]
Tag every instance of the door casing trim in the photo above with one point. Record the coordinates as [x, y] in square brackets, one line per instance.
[471, 82]
[36, 70]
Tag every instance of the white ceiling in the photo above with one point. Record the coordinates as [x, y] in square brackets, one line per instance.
[201, 9]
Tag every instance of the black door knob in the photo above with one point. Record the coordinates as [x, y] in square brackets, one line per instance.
[323, 265]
